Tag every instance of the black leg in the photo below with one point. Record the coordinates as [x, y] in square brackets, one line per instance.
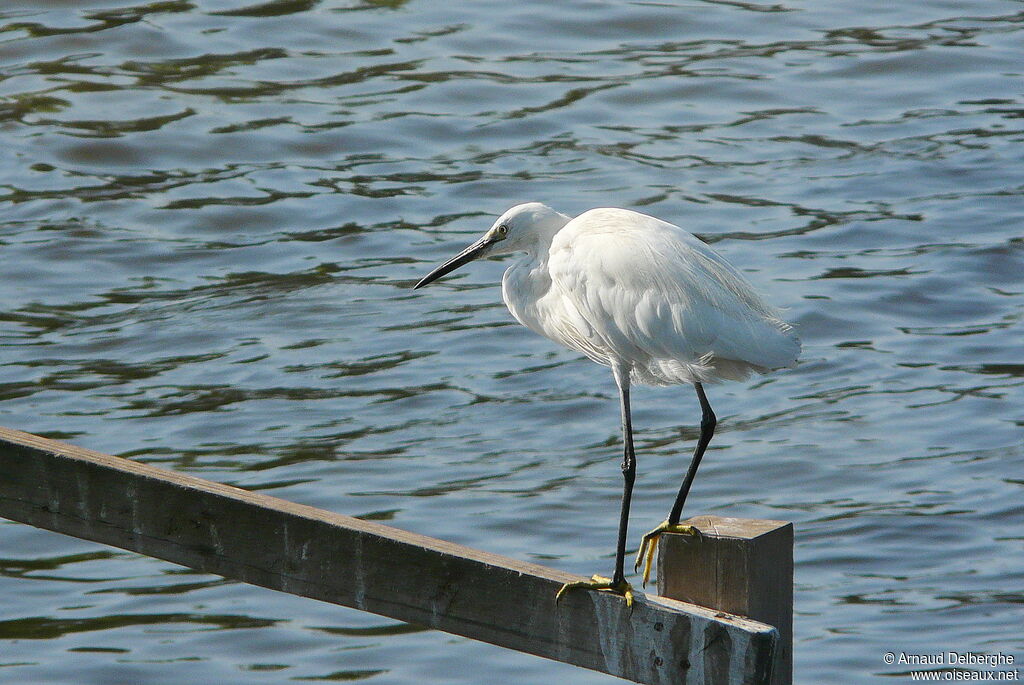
[628, 475]
[707, 429]
[617, 583]
[645, 555]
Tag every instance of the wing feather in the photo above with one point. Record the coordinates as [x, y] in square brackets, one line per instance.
[649, 293]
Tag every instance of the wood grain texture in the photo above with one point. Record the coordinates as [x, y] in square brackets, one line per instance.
[741, 566]
[306, 551]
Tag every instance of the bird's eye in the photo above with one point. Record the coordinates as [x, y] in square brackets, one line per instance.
[503, 230]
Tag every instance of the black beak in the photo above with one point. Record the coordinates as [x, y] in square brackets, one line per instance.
[464, 257]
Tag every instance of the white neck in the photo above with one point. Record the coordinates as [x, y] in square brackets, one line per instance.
[542, 235]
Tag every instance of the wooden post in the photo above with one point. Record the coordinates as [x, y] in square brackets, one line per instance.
[741, 566]
[305, 551]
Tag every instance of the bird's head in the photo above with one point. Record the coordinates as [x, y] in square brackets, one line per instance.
[524, 228]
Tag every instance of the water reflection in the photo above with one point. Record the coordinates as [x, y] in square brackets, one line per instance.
[42, 628]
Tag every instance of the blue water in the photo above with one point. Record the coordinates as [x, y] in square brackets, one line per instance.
[213, 213]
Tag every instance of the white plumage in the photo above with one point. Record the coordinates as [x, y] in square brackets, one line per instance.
[620, 286]
[645, 298]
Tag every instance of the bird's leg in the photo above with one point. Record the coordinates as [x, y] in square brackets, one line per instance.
[628, 478]
[617, 583]
[707, 430]
[649, 544]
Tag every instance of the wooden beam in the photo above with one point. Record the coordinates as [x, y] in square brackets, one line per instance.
[742, 566]
[305, 551]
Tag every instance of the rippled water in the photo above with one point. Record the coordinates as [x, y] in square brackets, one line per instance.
[213, 213]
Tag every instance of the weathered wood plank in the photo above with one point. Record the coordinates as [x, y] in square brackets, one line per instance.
[301, 550]
[742, 566]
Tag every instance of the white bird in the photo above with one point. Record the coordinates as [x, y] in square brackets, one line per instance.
[645, 298]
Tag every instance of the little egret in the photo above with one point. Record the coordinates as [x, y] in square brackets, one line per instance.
[645, 298]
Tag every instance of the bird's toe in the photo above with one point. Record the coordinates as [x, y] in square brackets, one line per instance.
[597, 582]
[649, 545]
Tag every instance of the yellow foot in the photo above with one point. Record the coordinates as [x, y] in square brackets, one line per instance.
[600, 583]
[649, 544]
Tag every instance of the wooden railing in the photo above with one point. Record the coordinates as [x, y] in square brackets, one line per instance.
[737, 566]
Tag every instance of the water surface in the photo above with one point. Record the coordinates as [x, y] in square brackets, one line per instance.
[213, 214]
